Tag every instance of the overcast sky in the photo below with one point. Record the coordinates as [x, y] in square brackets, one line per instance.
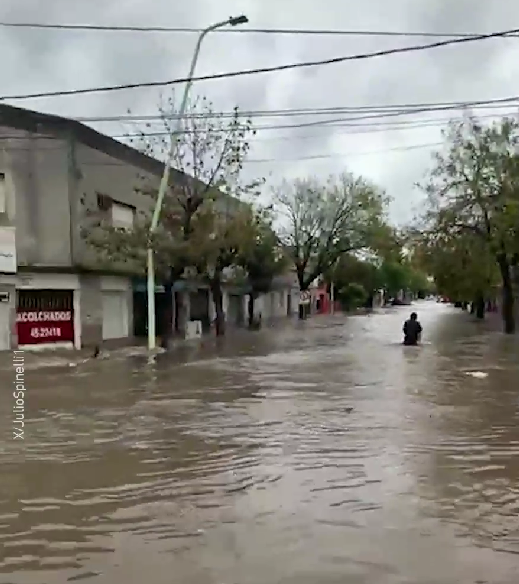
[48, 60]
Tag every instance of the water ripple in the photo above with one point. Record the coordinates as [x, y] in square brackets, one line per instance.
[328, 456]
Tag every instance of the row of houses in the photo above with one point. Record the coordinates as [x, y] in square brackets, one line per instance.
[53, 289]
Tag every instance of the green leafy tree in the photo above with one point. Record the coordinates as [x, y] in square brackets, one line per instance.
[217, 242]
[321, 221]
[395, 277]
[364, 272]
[474, 189]
[352, 296]
[418, 283]
[463, 268]
[262, 259]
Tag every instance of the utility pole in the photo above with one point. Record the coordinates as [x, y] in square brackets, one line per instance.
[233, 21]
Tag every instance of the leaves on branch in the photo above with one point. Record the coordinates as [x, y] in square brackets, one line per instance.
[206, 203]
[321, 221]
[471, 224]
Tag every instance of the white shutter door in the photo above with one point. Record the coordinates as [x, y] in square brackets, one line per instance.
[115, 315]
[5, 330]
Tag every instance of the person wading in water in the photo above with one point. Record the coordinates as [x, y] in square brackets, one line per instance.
[412, 330]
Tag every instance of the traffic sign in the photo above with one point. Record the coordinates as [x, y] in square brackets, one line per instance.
[304, 297]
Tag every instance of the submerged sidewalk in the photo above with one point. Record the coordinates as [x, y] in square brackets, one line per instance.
[70, 358]
[34, 360]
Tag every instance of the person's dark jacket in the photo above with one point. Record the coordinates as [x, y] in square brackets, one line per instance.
[412, 331]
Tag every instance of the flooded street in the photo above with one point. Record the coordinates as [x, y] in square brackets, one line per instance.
[319, 453]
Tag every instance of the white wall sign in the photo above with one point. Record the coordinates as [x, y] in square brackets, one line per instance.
[7, 250]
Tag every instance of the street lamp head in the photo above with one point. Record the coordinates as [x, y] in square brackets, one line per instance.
[237, 20]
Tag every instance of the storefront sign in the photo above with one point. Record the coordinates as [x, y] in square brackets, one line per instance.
[35, 327]
[142, 287]
[7, 250]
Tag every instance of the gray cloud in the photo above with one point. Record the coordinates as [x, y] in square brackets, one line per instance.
[49, 60]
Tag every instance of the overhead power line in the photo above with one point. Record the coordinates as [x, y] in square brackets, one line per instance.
[331, 155]
[361, 123]
[352, 129]
[339, 129]
[333, 122]
[314, 157]
[240, 30]
[343, 130]
[346, 154]
[290, 66]
[410, 108]
[330, 122]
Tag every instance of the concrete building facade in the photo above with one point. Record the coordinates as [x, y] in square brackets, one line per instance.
[282, 300]
[54, 291]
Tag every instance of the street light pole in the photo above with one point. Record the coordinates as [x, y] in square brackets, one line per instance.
[233, 21]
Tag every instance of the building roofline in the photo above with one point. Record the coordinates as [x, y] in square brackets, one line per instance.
[41, 123]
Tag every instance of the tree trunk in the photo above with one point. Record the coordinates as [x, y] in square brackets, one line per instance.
[302, 307]
[473, 307]
[250, 308]
[167, 324]
[303, 285]
[508, 295]
[180, 314]
[480, 307]
[304, 311]
[217, 294]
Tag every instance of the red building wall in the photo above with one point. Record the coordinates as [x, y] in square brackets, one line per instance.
[324, 305]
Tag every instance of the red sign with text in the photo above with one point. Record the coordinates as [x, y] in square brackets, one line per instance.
[37, 327]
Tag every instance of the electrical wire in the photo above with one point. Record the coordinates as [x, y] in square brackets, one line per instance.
[290, 66]
[333, 122]
[350, 123]
[358, 129]
[316, 157]
[365, 129]
[496, 103]
[381, 127]
[345, 154]
[241, 30]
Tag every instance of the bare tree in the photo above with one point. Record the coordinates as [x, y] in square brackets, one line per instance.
[206, 182]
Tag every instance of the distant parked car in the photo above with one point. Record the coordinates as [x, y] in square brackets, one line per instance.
[397, 302]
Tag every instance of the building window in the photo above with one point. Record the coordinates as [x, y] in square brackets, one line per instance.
[3, 193]
[44, 300]
[122, 216]
[104, 202]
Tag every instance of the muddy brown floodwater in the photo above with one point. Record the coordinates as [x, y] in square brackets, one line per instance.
[320, 453]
